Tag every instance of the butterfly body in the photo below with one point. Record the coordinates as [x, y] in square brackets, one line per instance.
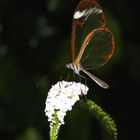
[74, 67]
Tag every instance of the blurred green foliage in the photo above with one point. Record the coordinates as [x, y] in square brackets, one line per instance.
[34, 48]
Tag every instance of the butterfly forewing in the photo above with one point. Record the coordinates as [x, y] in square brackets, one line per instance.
[87, 17]
[98, 50]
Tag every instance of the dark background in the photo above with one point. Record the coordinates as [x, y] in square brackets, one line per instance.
[34, 48]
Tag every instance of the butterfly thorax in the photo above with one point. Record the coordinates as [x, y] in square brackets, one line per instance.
[74, 67]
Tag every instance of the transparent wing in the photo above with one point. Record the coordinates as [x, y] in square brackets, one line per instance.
[87, 17]
[100, 82]
[98, 49]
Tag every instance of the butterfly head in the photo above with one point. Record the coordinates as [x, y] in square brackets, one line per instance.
[74, 67]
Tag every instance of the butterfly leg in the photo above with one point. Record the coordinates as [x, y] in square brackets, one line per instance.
[85, 82]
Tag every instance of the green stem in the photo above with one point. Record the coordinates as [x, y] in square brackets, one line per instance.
[106, 122]
[54, 128]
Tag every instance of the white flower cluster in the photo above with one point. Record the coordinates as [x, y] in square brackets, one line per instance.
[61, 97]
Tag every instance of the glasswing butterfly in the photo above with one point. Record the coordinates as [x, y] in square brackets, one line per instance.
[92, 44]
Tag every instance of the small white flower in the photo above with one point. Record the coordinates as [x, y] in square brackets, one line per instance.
[61, 97]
